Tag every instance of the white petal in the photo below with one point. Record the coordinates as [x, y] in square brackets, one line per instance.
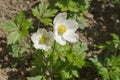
[71, 37]
[50, 38]
[37, 46]
[35, 37]
[71, 25]
[59, 38]
[60, 19]
[42, 46]
[47, 48]
[42, 31]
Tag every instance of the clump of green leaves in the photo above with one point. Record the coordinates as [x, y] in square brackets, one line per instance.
[19, 30]
[109, 68]
[75, 9]
[59, 63]
[108, 63]
[63, 64]
[43, 13]
[111, 46]
[71, 5]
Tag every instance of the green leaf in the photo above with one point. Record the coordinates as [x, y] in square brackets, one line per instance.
[70, 58]
[75, 73]
[43, 13]
[63, 58]
[104, 72]
[27, 24]
[22, 34]
[79, 60]
[36, 13]
[65, 75]
[9, 25]
[73, 6]
[15, 50]
[55, 56]
[115, 36]
[114, 73]
[80, 48]
[42, 8]
[46, 21]
[50, 13]
[19, 18]
[13, 37]
[35, 78]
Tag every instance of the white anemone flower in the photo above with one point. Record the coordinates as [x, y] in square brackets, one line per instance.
[64, 29]
[42, 39]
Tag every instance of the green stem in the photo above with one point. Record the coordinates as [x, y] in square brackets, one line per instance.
[38, 24]
[54, 47]
[51, 60]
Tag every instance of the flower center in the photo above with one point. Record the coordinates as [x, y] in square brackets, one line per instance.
[61, 29]
[42, 39]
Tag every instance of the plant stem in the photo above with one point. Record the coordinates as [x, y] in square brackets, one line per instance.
[54, 47]
[38, 24]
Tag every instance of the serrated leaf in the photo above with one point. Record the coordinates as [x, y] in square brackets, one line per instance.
[62, 58]
[36, 13]
[55, 57]
[75, 73]
[43, 13]
[43, 7]
[70, 57]
[19, 18]
[13, 37]
[80, 48]
[9, 25]
[23, 34]
[65, 75]
[15, 50]
[61, 6]
[50, 13]
[46, 21]
[83, 47]
[104, 72]
[73, 6]
[115, 36]
[81, 21]
[27, 24]
[79, 60]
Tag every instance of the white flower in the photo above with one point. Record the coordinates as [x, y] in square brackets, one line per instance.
[42, 39]
[64, 29]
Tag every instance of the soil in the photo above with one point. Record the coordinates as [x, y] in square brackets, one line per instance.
[102, 19]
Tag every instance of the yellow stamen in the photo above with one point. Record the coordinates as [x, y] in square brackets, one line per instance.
[42, 39]
[61, 29]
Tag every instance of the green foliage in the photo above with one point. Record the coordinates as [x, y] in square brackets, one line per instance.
[100, 68]
[75, 9]
[72, 5]
[43, 13]
[108, 64]
[18, 28]
[9, 26]
[109, 68]
[63, 63]
[113, 45]
[59, 63]
[17, 51]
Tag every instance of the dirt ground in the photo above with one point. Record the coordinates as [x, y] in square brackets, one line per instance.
[101, 18]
